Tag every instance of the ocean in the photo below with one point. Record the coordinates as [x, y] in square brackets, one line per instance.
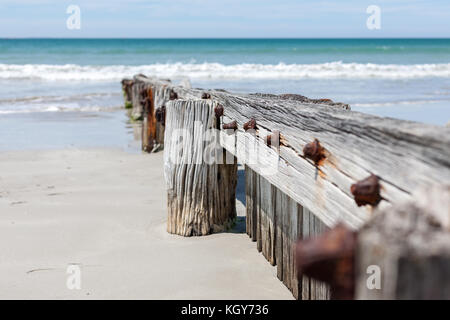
[59, 92]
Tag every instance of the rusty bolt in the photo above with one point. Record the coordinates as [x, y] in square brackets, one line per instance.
[314, 151]
[367, 191]
[160, 114]
[218, 110]
[206, 95]
[231, 125]
[274, 137]
[173, 95]
[329, 257]
[251, 124]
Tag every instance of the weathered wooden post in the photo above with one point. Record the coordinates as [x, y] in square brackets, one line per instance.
[153, 123]
[127, 85]
[150, 107]
[138, 95]
[200, 189]
[404, 251]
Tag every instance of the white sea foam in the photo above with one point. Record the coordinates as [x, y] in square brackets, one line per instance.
[79, 102]
[58, 108]
[399, 103]
[205, 71]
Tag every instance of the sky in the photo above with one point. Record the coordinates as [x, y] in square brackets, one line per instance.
[224, 19]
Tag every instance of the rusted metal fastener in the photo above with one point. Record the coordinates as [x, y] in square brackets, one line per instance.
[231, 125]
[218, 110]
[367, 191]
[173, 95]
[206, 95]
[314, 151]
[251, 124]
[160, 114]
[273, 138]
[329, 257]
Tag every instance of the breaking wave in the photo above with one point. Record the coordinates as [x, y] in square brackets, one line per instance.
[205, 71]
[87, 102]
[58, 108]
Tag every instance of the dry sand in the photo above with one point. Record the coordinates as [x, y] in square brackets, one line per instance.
[105, 210]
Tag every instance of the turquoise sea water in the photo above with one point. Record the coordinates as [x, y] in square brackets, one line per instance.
[225, 51]
[402, 78]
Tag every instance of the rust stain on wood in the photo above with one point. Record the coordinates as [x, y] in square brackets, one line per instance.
[330, 160]
[151, 120]
[321, 174]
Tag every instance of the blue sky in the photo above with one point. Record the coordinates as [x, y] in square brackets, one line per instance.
[218, 19]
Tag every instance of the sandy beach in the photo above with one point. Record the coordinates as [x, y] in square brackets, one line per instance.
[224, 151]
[105, 210]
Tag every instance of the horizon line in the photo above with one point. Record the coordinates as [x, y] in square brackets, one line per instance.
[224, 38]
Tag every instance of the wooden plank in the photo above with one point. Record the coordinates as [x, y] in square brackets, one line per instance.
[319, 289]
[249, 201]
[306, 287]
[295, 211]
[267, 219]
[197, 204]
[252, 205]
[313, 289]
[258, 212]
[280, 236]
[356, 145]
[279, 225]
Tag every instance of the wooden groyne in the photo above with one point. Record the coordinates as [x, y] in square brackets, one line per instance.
[332, 195]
